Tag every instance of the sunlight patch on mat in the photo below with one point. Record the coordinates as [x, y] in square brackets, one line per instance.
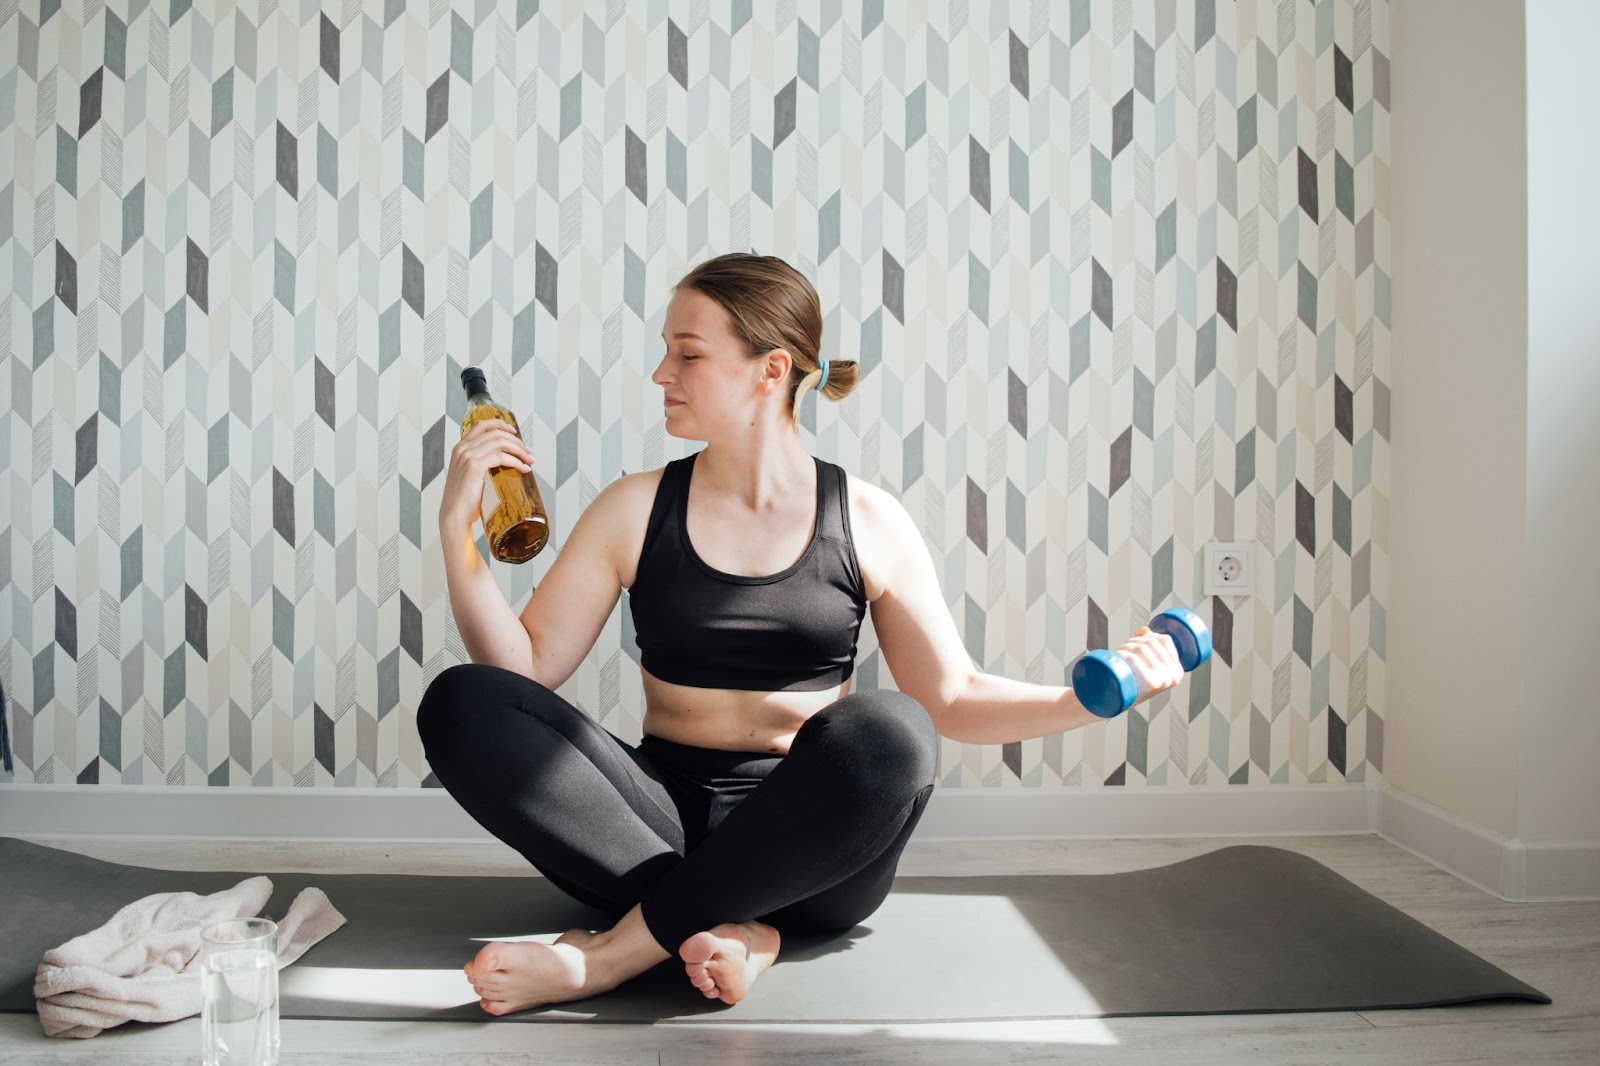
[418, 989]
[997, 919]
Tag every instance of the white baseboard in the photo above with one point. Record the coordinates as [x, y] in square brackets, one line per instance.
[1517, 870]
[1210, 811]
[374, 814]
[1510, 869]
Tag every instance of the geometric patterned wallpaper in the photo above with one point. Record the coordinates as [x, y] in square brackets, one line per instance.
[1114, 270]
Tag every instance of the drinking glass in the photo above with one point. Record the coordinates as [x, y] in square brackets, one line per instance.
[239, 978]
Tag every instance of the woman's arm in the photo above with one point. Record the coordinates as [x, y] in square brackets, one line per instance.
[488, 626]
[563, 618]
[568, 608]
[924, 652]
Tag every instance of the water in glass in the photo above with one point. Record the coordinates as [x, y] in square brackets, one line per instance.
[239, 1011]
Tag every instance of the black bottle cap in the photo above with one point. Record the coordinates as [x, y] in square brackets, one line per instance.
[474, 380]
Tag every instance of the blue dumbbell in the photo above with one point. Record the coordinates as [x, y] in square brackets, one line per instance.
[1107, 686]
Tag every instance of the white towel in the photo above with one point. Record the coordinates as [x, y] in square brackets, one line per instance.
[144, 964]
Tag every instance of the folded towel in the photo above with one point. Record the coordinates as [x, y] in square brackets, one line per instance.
[144, 964]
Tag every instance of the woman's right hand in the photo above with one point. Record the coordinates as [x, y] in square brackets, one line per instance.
[488, 444]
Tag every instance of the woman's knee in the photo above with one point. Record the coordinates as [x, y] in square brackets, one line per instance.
[462, 691]
[444, 697]
[879, 730]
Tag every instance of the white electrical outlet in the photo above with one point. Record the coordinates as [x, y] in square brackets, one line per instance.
[1230, 569]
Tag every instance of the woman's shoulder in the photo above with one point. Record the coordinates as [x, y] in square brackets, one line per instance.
[639, 483]
[879, 526]
[628, 499]
[872, 503]
[619, 516]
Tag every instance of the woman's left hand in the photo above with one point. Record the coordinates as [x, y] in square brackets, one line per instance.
[1153, 658]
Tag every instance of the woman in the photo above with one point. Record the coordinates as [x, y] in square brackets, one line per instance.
[764, 793]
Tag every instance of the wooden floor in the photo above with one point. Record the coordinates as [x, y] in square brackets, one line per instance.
[1553, 946]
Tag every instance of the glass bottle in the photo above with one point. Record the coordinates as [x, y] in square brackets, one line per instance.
[514, 519]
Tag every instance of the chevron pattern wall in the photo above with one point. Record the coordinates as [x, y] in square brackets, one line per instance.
[1115, 271]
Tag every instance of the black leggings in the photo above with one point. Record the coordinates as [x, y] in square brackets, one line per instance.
[696, 836]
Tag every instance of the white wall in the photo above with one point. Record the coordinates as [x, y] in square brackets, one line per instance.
[1460, 347]
[1560, 795]
[1496, 458]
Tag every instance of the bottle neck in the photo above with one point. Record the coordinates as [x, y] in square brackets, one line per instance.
[478, 392]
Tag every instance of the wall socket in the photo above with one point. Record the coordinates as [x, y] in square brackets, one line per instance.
[1230, 569]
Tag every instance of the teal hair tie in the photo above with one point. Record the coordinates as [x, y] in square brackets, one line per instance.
[824, 379]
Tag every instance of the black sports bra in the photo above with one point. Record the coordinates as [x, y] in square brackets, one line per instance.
[795, 630]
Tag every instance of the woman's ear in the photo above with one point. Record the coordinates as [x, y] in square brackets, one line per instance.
[775, 372]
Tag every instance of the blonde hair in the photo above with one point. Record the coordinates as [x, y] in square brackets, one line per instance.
[772, 305]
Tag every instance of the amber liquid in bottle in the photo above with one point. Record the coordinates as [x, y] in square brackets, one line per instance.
[514, 519]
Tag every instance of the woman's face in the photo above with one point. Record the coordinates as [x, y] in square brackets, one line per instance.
[710, 387]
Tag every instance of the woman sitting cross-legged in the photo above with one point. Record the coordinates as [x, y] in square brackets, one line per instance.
[764, 795]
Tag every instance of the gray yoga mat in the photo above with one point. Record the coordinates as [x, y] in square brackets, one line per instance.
[1239, 930]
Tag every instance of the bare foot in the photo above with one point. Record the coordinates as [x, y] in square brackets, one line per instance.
[509, 977]
[725, 960]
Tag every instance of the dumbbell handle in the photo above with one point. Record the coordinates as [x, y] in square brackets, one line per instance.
[1107, 685]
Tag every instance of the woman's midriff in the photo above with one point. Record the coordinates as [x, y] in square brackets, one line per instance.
[730, 719]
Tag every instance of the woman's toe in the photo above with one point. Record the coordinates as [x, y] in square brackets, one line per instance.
[491, 957]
